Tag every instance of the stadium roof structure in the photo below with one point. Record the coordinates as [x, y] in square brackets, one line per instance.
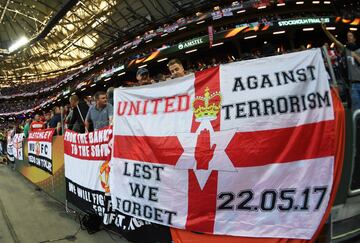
[58, 35]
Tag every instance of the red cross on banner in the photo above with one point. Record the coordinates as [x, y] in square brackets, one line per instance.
[212, 153]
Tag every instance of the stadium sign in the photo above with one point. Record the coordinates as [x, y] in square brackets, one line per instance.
[303, 21]
[191, 43]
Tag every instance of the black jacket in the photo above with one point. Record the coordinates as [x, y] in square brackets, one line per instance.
[76, 123]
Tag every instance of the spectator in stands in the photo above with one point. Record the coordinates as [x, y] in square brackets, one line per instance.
[160, 77]
[143, 77]
[79, 111]
[353, 64]
[214, 63]
[351, 42]
[20, 127]
[27, 127]
[100, 115]
[47, 119]
[65, 110]
[176, 68]
[331, 53]
[88, 100]
[36, 125]
[43, 118]
[56, 119]
[110, 95]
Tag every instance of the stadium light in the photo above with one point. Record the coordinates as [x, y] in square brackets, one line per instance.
[92, 85]
[107, 79]
[218, 44]
[250, 37]
[122, 52]
[121, 74]
[241, 11]
[331, 28]
[332, 45]
[193, 50]
[308, 29]
[148, 41]
[201, 22]
[133, 47]
[327, 2]
[300, 2]
[279, 32]
[142, 66]
[182, 28]
[353, 29]
[261, 7]
[82, 89]
[110, 58]
[280, 4]
[315, 2]
[161, 60]
[19, 43]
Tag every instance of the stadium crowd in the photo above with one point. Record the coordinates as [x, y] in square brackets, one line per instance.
[31, 88]
[80, 112]
[86, 113]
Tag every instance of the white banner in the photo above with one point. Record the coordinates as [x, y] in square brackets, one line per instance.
[87, 158]
[40, 149]
[9, 145]
[244, 149]
[18, 146]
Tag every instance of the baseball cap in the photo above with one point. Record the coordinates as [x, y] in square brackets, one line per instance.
[142, 71]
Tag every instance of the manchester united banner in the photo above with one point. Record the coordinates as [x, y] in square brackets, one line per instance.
[40, 149]
[87, 170]
[243, 149]
[18, 146]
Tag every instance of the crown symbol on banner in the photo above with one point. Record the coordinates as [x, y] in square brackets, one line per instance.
[208, 106]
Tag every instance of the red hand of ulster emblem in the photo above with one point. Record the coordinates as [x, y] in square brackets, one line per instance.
[203, 152]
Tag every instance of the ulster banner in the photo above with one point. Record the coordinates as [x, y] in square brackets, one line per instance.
[243, 149]
[18, 146]
[87, 170]
[40, 149]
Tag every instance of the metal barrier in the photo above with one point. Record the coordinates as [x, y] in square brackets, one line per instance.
[354, 187]
[54, 185]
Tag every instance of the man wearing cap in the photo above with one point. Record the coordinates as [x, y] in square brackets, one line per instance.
[143, 76]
